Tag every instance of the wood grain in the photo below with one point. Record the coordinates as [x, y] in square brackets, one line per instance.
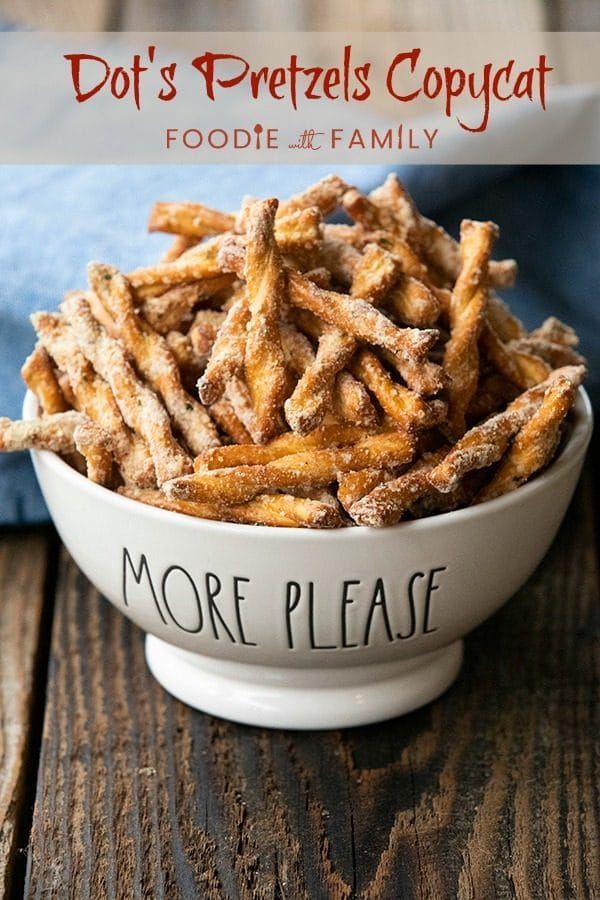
[492, 791]
[308, 15]
[68, 15]
[22, 575]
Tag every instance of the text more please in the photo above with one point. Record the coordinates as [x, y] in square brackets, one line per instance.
[357, 613]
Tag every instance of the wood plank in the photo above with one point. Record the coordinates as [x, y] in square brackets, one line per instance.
[420, 15]
[335, 15]
[489, 792]
[309, 15]
[583, 15]
[68, 15]
[23, 561]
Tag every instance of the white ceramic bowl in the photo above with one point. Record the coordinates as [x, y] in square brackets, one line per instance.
[308, 629]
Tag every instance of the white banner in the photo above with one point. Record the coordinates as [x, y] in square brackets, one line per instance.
[327, 98]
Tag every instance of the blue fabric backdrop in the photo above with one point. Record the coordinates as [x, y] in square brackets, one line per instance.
[55, 219]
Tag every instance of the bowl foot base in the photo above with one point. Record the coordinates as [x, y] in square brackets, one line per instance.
[303, 698]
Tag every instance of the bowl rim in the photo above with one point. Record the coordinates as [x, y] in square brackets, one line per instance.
[570, 454]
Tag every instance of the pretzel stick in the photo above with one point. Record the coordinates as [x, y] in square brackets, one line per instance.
[173, 309]
[211, 288]
[440, 249]
[521, 368]
[379, 227]
[299, 354]
[65, 386]
[493, 391]
[354, 485]
[237, 393]
[324, 195]
[351, 401]
[39, 376]
[279, 510]
[413, 303]
[467, 310]
[196, 264]
[140, 407]
[98, 310]
[411, 263]
[486, 443]
[204, 329]
[368, 214]
[53, 432]
[310, 469]
[300, 230]
[339, 258]
[506, 325]
[376, 272]
[312, 396]
[265, 280]
[349, 397]
[192, 220]
[354, 234]
[358, 318]
[65, 433]
[96, 447]
[228, 353]
[554, 354]
[552, 329]
[405, 407]
[387, 503]
[153, 358]
[190, 363]
[324, 437]
[224, 415]
[535, 444]
[93, 396]
[178, 246]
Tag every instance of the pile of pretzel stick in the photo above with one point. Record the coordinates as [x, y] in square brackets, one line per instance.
[275, 368]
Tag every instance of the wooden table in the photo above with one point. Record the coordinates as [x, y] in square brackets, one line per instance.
[110, 788]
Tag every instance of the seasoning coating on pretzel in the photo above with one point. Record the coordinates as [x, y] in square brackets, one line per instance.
[387, 503]
[48, 433]
[358, 318]
[277, 510]
[228, 352]
[337, 363]
[406, 407]
[326, 436]
[224, 416]
[523, 368]
[95, 446]
[189, 219]
[172, 310]
[40, 377]
[92, 395]
[324, 195]
[153, 358]
[395, 206]
[486, 443]
[264, 364]
[139, 406]
[196, 264]
[313, 394]
[309, 469]
[467, 310]
[536, 442]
